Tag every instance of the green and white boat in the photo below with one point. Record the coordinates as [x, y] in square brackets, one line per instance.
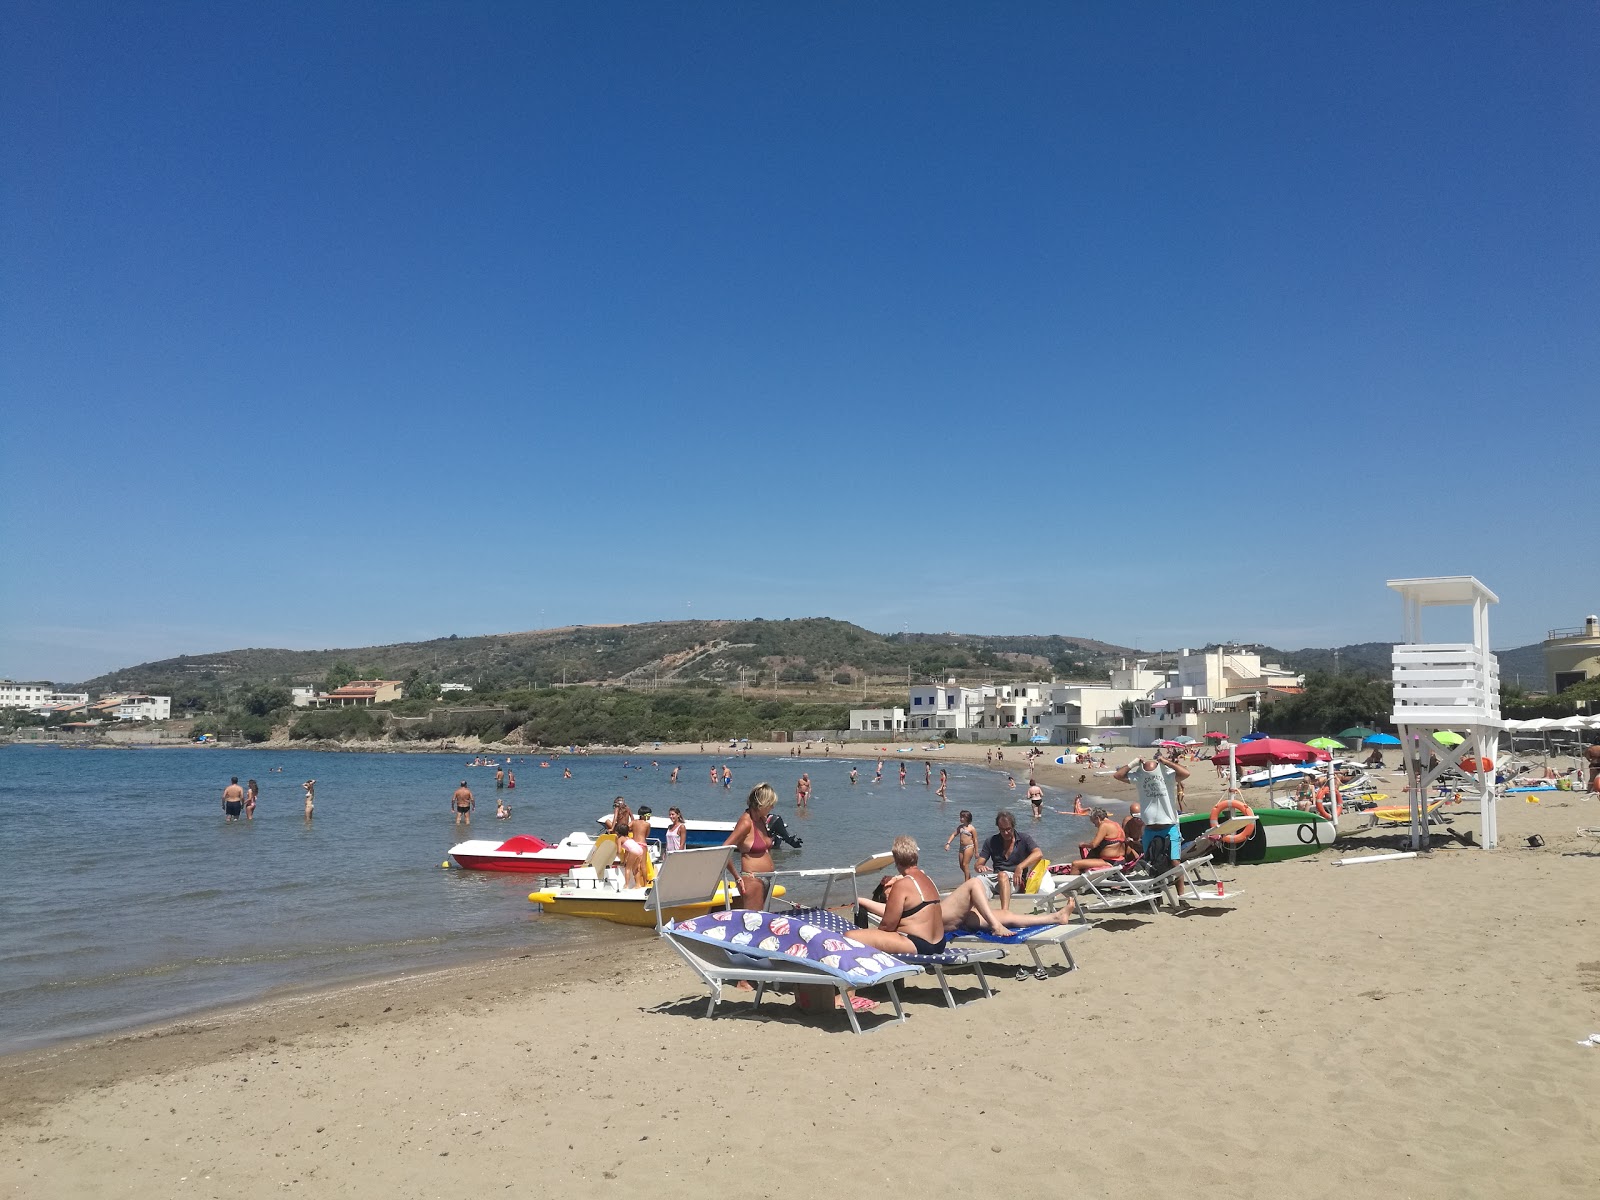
[1280, 833]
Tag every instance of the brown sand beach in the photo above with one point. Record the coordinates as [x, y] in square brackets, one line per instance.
[1401, 1028]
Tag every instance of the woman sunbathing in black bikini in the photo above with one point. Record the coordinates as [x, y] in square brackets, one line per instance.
[912, 921]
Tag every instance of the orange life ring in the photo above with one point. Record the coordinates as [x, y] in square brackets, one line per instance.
[1229, 804]
[1320, 806]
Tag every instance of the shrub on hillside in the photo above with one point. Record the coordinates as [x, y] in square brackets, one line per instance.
[337, 724]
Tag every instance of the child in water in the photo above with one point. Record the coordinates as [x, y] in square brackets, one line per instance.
[967, 850]
[502, 812]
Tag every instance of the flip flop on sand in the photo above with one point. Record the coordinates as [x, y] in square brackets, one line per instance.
[859, 1003]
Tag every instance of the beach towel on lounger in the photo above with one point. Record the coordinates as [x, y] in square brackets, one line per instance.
[953, 956]
[765, 937]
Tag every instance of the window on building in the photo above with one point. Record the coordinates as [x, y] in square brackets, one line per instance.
[916, 700]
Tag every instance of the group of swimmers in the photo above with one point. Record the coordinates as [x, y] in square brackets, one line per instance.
[239, 803]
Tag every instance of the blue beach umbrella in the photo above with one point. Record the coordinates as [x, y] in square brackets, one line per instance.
[1383, 739]
[1253, 737]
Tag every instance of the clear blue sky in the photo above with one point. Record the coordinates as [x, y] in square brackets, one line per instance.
[333, 324]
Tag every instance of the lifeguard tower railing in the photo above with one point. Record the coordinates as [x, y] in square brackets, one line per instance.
[1445, 685]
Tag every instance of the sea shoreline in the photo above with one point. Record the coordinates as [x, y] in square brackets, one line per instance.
[1325, 1001]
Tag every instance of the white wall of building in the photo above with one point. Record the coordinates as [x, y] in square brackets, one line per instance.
[942, 706]
[877, 720]
[25, 695]
[145, 708]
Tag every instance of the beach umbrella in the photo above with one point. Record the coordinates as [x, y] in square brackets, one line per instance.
[1269, 751]
[1186, 740]
[1040, 737]
[1471, 765]
[1358, 732]
[1217, 736]
[1447, 737]
[1326, 743]
[1383, 739]
[1253, 737]
[1169, 742]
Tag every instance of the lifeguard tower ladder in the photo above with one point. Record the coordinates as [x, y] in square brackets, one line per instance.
[1447, 685]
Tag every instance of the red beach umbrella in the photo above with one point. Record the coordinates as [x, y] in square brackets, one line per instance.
[1217, 737]
[1471, 764]
[1266, 752]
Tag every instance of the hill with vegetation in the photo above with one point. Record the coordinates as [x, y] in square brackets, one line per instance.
[753, 653]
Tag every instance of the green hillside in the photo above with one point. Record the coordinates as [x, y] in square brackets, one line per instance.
[810, 650]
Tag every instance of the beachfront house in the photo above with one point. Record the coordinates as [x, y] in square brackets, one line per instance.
[1089, 711]
[143, 708]
[944, 707]
[1210, 691]
[363, 693]
[304, 697]
[877, 720]
[1010, 712]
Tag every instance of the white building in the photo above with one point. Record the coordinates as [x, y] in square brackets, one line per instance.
[1223, 672]
[1089, 711]
[944, 706]
[304, 697]
[446, 688]
[25, 695]
[144, 708]
[1010, 711]
[1210, 691]
[878, 720]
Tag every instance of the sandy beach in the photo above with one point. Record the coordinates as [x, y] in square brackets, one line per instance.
[1407, 1027]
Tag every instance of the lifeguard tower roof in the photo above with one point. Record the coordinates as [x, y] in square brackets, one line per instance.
[1443, 589]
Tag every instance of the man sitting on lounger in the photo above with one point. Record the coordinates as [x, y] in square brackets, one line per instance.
[1007, 858]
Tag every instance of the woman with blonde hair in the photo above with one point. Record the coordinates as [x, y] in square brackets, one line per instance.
[911, 922]
[754, 840]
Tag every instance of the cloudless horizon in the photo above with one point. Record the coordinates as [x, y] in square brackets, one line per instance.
[347, 324]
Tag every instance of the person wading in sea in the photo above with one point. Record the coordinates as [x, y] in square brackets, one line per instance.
[461, 800]
[233, 800]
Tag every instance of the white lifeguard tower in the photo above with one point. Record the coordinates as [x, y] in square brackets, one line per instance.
[1447, 685]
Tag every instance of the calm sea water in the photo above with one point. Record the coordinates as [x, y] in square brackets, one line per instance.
[126, 898]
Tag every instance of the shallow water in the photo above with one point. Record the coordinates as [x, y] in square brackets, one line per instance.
[126, 898]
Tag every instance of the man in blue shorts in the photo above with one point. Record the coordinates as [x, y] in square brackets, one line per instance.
[1157, 780]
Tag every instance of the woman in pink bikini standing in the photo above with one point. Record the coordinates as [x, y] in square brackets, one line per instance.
[755, 845]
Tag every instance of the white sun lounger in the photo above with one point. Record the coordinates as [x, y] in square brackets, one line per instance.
[691, 877]
[954, 958]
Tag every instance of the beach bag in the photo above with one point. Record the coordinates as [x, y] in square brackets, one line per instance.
[1158, 858]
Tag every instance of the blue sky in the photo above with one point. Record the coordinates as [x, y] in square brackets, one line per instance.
[338, 324]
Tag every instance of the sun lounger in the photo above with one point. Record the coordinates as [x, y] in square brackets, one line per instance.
[1030, 939]
[780, 948]
[1109, 891]
[954, 958]
[1201, 885]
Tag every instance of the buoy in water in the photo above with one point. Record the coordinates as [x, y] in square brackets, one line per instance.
[445, 865]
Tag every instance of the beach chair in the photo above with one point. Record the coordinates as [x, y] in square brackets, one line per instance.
[1109, 891]
[1202, 886]
[954, 958]
[1031, 939]
[762, 948]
